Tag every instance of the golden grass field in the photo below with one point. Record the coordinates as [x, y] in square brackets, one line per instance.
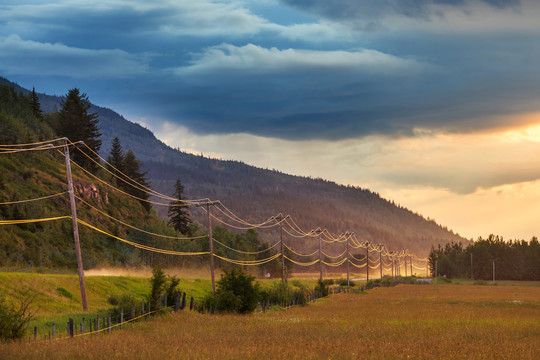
[404, 322]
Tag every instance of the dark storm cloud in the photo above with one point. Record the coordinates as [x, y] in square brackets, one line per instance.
[368, 9]
[217, 67]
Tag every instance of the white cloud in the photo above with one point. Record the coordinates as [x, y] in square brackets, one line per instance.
[27, 57]
[254, 58]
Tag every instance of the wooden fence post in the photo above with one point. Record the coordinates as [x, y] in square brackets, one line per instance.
[53, 331]
[83, 329]
[121, 317]
[191, 304]
[176, 301]
[70, 327]
[97, 322]
[109, 322]
[183, 301]
[35, 333]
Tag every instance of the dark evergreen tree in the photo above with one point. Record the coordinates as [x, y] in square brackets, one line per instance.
[179, 217]
[35, 105]
[77, 124]
[115, 159]
[132, 169]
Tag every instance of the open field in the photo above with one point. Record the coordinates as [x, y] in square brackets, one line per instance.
[407, 321]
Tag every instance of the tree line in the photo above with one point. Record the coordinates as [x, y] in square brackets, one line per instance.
[513, 260]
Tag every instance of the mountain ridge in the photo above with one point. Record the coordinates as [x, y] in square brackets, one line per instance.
[255, 193]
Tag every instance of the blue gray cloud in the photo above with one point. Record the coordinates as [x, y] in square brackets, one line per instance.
[294, 70]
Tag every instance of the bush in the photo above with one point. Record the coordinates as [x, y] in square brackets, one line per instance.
[343, 282]
[283, 293]
[124, 301]
[65, 293]
[158, 282]
[321, 289]
[15, 318]
[171, 289]
[235, 292]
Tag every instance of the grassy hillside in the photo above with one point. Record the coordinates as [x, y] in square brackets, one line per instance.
[257, 194]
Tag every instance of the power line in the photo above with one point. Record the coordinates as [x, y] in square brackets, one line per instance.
[34, 199]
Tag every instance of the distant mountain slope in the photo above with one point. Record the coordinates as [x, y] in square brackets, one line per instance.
[256, 194]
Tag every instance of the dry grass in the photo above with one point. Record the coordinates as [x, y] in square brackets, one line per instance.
[421, 322]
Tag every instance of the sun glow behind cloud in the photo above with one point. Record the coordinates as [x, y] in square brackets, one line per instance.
[475, 183]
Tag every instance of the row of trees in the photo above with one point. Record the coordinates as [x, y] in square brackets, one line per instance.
[514, 260]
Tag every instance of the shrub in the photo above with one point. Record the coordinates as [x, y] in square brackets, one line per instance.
[284, 293]
[235, 292]
[65, 293]
[124, 301]
[343, 282]
[171, 289]
[14, 318]
[321, 289]
[158, 281]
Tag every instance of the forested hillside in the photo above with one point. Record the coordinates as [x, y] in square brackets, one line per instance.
[35, 225]
[256, 194]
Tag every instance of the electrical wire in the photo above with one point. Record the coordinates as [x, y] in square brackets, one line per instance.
[247, 262]
[31, 144]
[301, 263]
[245, 252]
[30, 221]
[35, 199]
[141, 246]
[334, 257]
[128, 179]
[298, 254]
[136, 228]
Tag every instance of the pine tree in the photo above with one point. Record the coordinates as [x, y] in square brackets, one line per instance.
[77, 124]
[115, 159]
[35, 105]
[179, 217]
[132, 169]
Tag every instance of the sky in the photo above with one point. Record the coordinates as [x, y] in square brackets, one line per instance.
[434, 104]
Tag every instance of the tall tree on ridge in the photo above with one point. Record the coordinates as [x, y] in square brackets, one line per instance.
[77, 124]
[35, 105]
[132, 169]
[179, 217]
[115, 159]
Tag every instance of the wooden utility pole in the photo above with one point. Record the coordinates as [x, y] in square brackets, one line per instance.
[410, 262]
[380, 258]
[279, 219]
[75, 228]
[405, 264]
[210, 239]
[494, 271]
[367, 261]
[318, 232]
[393, 261]
[348, 235]
[472, 272]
